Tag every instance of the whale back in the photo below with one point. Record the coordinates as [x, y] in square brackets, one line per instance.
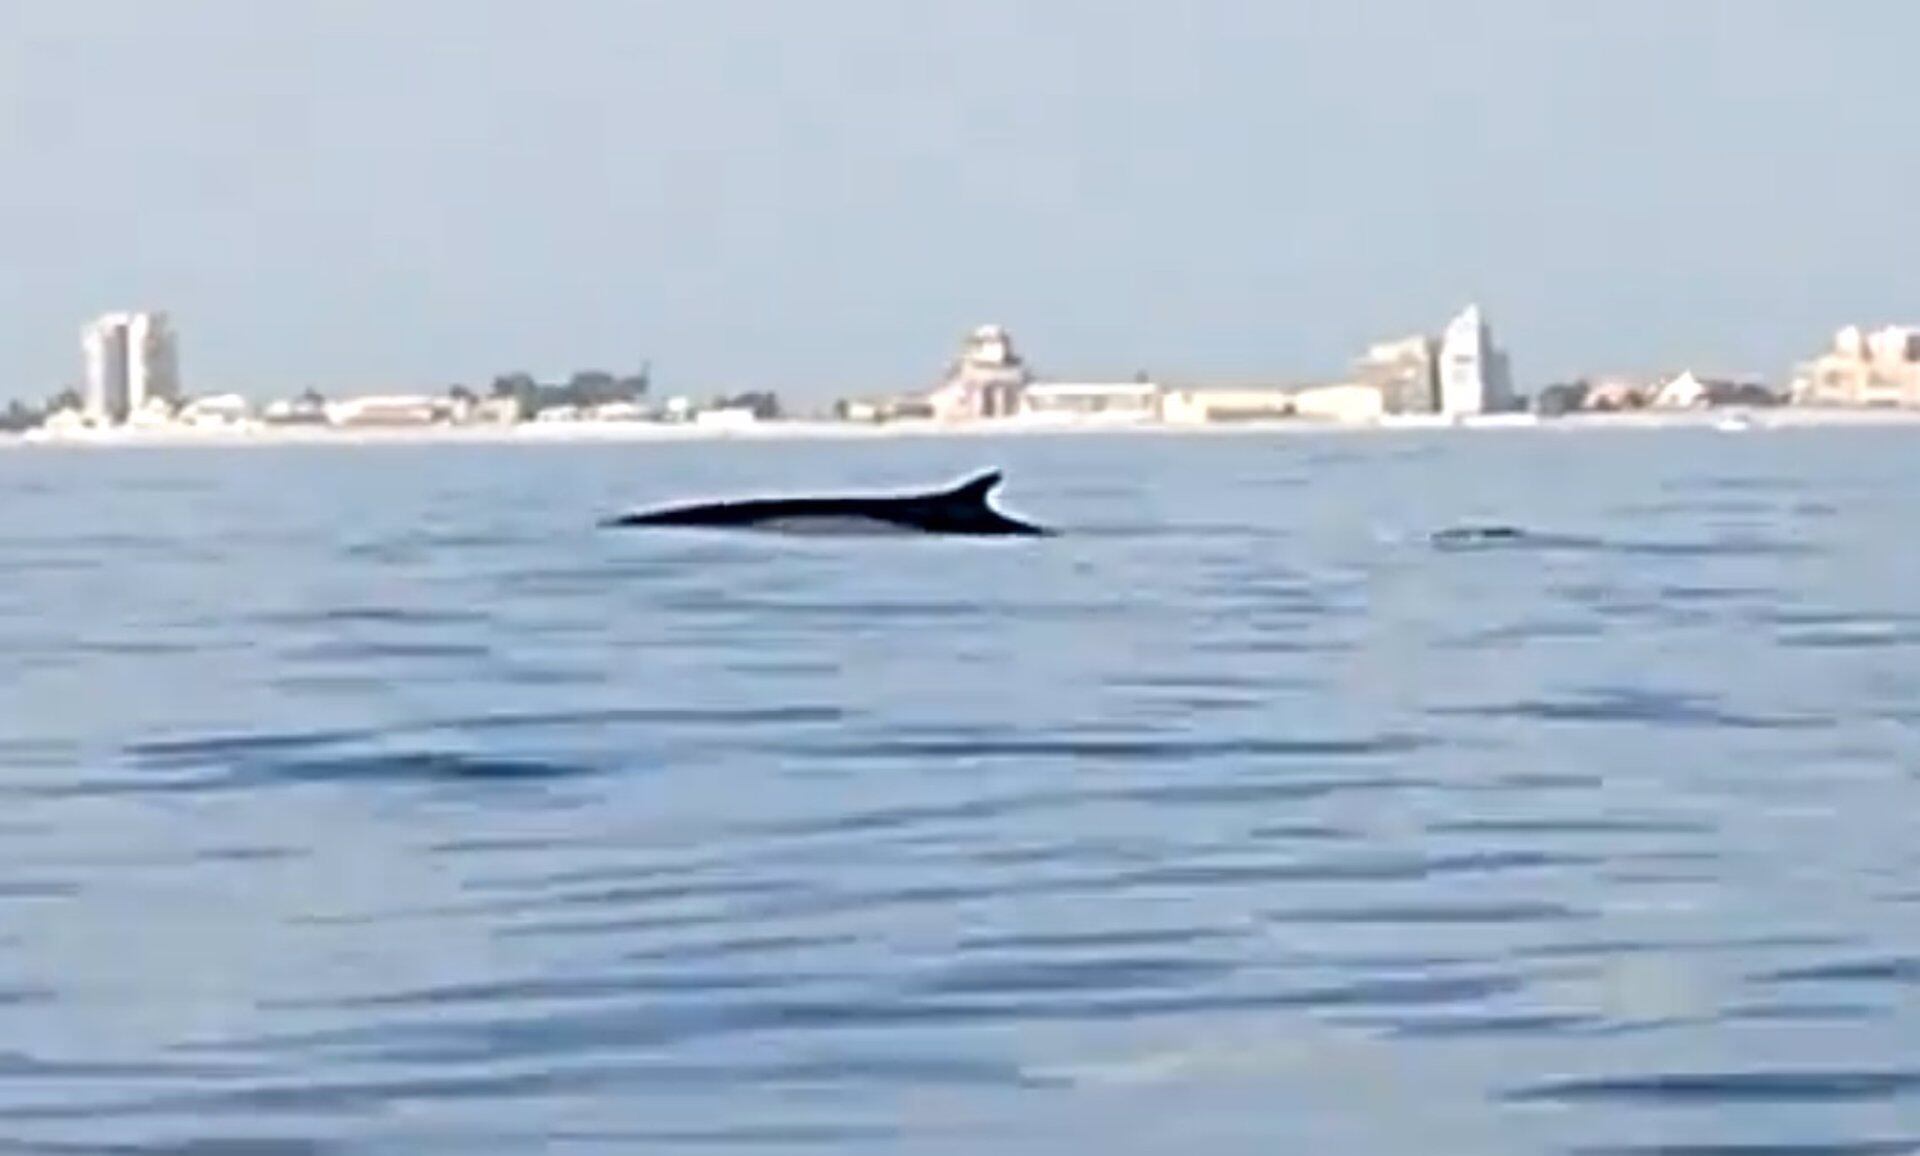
[962, 509]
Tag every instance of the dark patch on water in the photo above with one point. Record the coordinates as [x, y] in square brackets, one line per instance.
[22, 1066]
[1357, 869]
[427, 766]
[712, 950]
[1762, 1148]
[373, 769]
[11, 997]
[190, 750]
[1094, 940]
[1730, 1088]
[1570, 826]
[1633, 705]
[782, 1136]
[1799, 1013]
[996, 807]
[354, 1098]
[1445, 1027]
[209, 1146]
[1119, 750]
[1436, 913]
[1897, 970]
[386, 616]
[37, 889]
[547, 990]
[384, 650]
[182, 752]
[1110, 974]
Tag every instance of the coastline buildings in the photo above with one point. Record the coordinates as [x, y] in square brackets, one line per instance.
[132, 361]
[1877, 369]
[1459, 373]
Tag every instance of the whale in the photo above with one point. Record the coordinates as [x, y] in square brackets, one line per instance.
[1497, 535]
[1477, 535]
[960, 510]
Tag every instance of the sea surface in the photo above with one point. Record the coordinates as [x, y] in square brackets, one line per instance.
[369, 799]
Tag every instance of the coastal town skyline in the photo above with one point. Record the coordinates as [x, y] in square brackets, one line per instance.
[1458, 373]
[1526, 378]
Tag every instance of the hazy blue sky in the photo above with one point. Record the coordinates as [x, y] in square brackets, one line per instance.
[825, 195]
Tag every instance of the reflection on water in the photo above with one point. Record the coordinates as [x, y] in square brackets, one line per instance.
[369, 800]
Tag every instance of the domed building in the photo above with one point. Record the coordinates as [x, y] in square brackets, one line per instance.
[986, 380]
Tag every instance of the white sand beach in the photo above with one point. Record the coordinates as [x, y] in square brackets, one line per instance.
[551, 433]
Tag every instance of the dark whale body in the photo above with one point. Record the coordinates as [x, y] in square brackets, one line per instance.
[1501, 536]
[1474, 535]
[961, 510]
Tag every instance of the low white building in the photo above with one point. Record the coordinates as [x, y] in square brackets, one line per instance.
[391, 410]
[1129, 401]
[1691, 391]
[154, 413]
[1203, 405]
[729, 417]
[295, 411]
[1343, 402]
[227, 409]
[619, 411]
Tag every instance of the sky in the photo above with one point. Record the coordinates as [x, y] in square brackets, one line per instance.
[823, 197]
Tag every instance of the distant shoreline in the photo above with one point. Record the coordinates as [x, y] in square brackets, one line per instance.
[1757, 420]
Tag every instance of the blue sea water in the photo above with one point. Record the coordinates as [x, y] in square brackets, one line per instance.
[370, 800]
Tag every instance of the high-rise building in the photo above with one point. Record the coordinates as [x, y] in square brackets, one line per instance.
[153, 360]
[103, 344]
[1474, 373]
[131, 358]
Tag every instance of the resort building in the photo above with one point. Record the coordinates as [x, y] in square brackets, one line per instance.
[986, 380]
[220, 411]
[1474, 374]
[1406, 372]
[395, 410]
[1691, 391]
[1342, 401]
[1123, 401]
[1881, 368]
[1202, 405]
[1459, 373]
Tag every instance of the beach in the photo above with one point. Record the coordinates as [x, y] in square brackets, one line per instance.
[550, 433]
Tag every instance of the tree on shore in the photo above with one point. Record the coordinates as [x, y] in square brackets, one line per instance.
[585, 388]
[765, 404]
[20, 416]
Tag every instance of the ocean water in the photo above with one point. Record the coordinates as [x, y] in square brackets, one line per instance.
[370, 800]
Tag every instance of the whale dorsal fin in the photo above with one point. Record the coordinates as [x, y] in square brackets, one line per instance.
[974, 491]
